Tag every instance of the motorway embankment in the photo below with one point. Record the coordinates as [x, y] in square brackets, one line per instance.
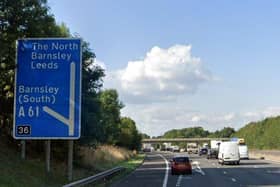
[273, 155]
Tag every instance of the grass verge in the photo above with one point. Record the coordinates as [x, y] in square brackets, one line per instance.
[31, 172]
[15, 172]
[129, 165]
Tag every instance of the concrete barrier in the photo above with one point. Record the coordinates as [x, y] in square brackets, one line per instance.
[272, 155]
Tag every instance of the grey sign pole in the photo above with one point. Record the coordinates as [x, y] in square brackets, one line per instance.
[70, 160]
[23, 148]
[48, 155]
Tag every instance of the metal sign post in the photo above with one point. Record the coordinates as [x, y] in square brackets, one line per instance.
[23, 149]
[70, 159]
[48, 156]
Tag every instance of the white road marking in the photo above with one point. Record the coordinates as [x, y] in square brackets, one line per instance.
[147, 169]
[269, 171]
[198, 169]
[166, 171]
[179, 181]
[225, 172]
[153, 155]
[152, 163]
[233, 179]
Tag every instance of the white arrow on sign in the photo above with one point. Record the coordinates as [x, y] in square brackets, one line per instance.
[69, 122]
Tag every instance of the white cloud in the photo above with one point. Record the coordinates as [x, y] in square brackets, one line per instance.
[158, 118]
[97, 62]
[161, 75]
[271, 112]
[229, 117]
[168, 75]
[257, 115]
[196, 119]
[251, 114]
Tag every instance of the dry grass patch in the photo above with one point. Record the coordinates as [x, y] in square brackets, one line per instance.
[104, 156]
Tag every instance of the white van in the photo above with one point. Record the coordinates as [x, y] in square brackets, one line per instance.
[229, 153]
[243, 152]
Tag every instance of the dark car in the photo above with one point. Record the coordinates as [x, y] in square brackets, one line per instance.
[181, 165]
[147, 149]
[203, 151]
[212, 153]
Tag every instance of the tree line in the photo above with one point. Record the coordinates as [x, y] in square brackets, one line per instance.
[101, 118]
[262, 134]
[198, 132]
[258, 135]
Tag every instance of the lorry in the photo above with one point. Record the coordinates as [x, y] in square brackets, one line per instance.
[192, 148]
[147, 147]
[166, 147]
[243, 149]
[175, 148]
[214, 144]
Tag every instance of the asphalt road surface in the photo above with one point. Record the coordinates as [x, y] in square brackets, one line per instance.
[155, 172]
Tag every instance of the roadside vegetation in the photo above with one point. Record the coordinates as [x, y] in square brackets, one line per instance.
[31, 172]
[198, 132]
[262, 135]
[102, 123]
[129, 165]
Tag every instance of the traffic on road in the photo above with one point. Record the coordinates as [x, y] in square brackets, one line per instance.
[222, 163]
[156, 171]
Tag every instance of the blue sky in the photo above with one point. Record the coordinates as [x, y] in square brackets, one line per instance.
[206, 63]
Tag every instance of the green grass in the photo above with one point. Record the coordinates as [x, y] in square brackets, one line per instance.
[129, 165]
[15, 172]
[133, 163]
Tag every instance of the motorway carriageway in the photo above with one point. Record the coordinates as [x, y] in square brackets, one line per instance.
[155, 172]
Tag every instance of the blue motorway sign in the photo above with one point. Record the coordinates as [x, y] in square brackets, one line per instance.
[47, 101]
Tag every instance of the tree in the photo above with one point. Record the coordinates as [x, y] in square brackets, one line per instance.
[145, 136]
[92, 129]
[191, 132]
[110, 115]
[261, 135]
[20, 19]
[129, 136]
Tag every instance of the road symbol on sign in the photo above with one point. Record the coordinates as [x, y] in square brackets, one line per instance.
[70, 121]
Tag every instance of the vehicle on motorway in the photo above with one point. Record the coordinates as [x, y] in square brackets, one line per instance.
[243, 151]
[166, 146]
[192, 148]
[175, 148]
[214, 144]
[205, 145]
[229, 153]
[212, 153]
[182, 150]
[181, 165]
[241, 141]
[148, 149]
[203, 151]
